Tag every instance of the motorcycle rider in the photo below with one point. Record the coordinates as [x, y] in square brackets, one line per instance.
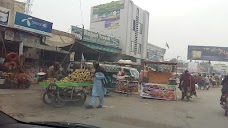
[224, 89]
[187, 80]
[207, 82]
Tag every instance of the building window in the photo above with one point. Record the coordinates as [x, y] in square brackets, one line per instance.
[139, 49]
[140, 28]
[133, 25]
[132, 46]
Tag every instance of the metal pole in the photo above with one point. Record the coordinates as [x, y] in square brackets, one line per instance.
[73, 44]
[83, 31]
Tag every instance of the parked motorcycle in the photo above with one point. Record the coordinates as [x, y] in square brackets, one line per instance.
[225, 104]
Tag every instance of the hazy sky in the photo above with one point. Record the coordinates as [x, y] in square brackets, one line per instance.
[178, 22]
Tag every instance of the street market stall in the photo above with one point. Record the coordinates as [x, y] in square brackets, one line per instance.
[158, 84]
[127, 78]
[70, 89]
[127, 83]
[13, 74]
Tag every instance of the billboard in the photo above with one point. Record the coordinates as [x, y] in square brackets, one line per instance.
[4, 16]
[109, 7]
[208, 53]
[113, 15]
[108, 13]
[32, 24]
[158, 91]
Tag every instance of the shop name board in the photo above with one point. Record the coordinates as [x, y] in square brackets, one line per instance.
[94, 37]
[32, 24]
[4, 16]
[109, 7]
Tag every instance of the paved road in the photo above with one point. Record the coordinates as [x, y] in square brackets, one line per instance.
[121, 111]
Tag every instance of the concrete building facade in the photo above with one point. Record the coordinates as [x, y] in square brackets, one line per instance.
[14, 6]
[125, 21]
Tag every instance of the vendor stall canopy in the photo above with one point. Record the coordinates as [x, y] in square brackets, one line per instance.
[126, 63]
[80, 48]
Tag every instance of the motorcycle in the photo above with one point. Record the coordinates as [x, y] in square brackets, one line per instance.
[225, 104]
[207, 86]
[188, 93]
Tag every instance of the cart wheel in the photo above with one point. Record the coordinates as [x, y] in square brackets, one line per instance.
[81, 95]
[56, 102]
[47, 98]
[27, 85]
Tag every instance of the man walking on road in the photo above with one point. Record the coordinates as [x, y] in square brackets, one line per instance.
[187, 81]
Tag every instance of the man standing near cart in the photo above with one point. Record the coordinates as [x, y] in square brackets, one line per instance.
[53, 71]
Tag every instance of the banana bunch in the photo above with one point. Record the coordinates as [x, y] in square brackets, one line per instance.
[51, 80]
[5, 75]
[78, 76]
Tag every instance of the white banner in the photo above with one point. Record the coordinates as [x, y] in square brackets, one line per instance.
[72, 56]
[4, 16]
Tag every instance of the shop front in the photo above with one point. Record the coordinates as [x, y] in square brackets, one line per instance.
[108, 47]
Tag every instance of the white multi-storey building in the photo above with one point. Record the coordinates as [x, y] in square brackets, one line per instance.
[125, 21]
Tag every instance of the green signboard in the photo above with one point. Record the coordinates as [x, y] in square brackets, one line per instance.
[109, 7]
[103, 42]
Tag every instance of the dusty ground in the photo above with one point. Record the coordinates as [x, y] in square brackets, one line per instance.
[121, 111]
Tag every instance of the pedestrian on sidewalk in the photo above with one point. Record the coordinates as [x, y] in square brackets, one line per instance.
[98, 89]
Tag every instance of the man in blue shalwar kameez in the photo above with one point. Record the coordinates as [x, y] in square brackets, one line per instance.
[98, 89]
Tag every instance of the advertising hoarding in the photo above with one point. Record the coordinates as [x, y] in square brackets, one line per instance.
[4, 16]
[108, 13]
[208, 53]
[109, 7]
[158, 91]
[113, 15]
[32, 24]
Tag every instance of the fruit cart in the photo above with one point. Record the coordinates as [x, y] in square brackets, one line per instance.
[58, 94]
[159, 84]
[70, 89]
